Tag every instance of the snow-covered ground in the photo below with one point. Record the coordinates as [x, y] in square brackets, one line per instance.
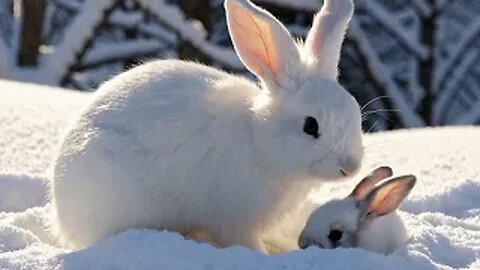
[443, 211]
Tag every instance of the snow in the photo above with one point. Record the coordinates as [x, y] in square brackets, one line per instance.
[21, 191]
[32, 119]
[442, 212]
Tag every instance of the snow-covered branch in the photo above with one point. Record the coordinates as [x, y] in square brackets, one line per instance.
[304, 5]
[157, 32]
[423, 8]
[407, 114]
[126, 19]
[394, 27]
[468, 40]
[458, 76]
[192, 33]
[106, 53]
[69, 4]
[64, 56]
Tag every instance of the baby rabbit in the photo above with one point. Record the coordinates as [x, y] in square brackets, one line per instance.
[365, 219]
[175, 145]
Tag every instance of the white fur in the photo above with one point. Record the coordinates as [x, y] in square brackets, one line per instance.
[383, 233]
[184, 147]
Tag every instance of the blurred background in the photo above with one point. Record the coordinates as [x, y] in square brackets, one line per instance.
[409, 63]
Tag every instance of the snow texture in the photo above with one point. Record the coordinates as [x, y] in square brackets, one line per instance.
[442, 212]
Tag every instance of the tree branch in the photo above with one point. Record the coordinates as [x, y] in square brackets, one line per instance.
[393, 26]
[468, 40]
[77, 39]
[299, 5]
[470, 60]
[407, 114]
[112, 53]
[172, 17]
[422, 8]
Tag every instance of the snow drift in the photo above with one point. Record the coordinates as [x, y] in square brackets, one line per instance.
[442, 212]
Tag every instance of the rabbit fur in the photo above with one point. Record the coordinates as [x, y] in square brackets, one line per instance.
[175, 145]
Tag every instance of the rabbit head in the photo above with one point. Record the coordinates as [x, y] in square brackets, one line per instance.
[305, 121]
[338, 223]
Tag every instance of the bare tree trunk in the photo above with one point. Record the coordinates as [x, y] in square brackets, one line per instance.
[427, 68]
[33, 12]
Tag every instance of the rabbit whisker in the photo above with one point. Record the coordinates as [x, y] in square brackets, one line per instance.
[373, 100]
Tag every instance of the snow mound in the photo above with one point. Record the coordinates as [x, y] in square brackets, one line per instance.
[19, 192]
[32, 118]
[442, 212]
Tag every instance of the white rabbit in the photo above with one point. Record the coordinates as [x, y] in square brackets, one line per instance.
[365, 219]
[179, 146]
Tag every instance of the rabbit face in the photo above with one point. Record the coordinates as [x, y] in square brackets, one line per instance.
[315, 132]
[338, 230]
[336, 150]
[350, 222]
[307, 124]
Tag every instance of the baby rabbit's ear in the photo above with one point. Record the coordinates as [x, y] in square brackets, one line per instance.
[324, 41]
[368, 183]
[263, 44]
[386, 197]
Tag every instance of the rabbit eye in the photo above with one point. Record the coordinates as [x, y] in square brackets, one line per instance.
[335, 235]
[310, 127]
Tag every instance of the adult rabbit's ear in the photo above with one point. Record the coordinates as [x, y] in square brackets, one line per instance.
[324, 41]
[263, 44]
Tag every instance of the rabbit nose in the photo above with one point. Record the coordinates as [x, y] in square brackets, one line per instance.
[303, 246]
[303, 243]
[349, 165]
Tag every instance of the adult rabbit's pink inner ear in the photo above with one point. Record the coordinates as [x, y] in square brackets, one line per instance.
[324, 41]
[261, 41]
[368, 183]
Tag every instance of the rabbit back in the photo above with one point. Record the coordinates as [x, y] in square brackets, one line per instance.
[384, 234]
[146, 153]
